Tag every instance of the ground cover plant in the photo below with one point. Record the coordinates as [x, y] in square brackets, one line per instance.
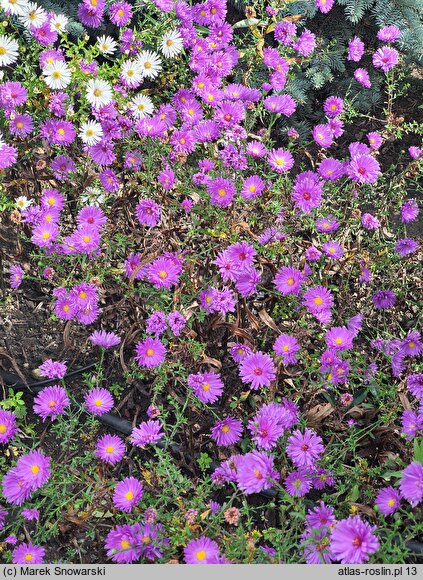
[211, 282]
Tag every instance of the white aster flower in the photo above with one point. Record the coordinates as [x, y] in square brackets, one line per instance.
[106, 44]
[93, 196]
[90, 132]
[58, 23]
[57, 75]
[23, 202]
[99, 93]
[150, 63]
[14, 7]
[9, 49]
[143, 106]
[131, 73]
[34, 16]
[171, 44]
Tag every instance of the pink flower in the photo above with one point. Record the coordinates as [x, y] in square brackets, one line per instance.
[257, 370]
[352, 541]
[150, 353]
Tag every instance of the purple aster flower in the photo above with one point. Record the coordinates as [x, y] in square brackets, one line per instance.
[150, 353]
[148, 212]
[409, 211]
[320, 516]
[127, 494]
[305, 43]
[415, 384]
[156, 323]
[287, 346]
[304, 449]
[222, 191]
[315, 546]
[280, 160]
[384, 299]
[239, 351]
[176, 322]
[120, 13]
[333, 106]
[110, 448]
[265, 431]
[252, 187]
[288, 280]
[99, 401]
[375, 140]
[369, 222]
[411, 485]
[283, 104]
[21, 125]
[355, 49]
[92, 216]
[297, 483]
[147, 432]
[255, 472]
[104, 339]
[257, 370]
[318, 299]
[16, 276]
[352, 541]
[3, 515]
[8, 155]
[226, 432]
[34, 469]
[385, 58]
[412, 344]
[333, 250]
[28, 554]
[256, 149]
[322, 135]
[85, 239]
[324, 5]
[62, 166]
[389, 33]
[109, 180]
[30, 514]
[163, 273]
[8, 426]
[411, 423]
[331, 169]
[313, 254]
[406, 246]
[415, 152]
[339, 338]
[51, 402]
[201, 551]
[90, 12]
[307, 192]
[362, 77]
[363, 169]
[284, 32]
[207, 387]
[327, 225]
[123, 545]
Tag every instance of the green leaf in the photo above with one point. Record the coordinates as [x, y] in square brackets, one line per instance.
[418, 450]
[247, 22]
[354, 493]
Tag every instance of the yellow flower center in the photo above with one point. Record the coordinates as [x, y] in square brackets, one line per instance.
[46, 235]
[35, 469]
[318, 301]
[147, 65]
[338, 340]
[280, 161]
[169, 42]
[206, 387]
[52, 404]
[120, 12]
[221, 192]
[110, 449]
[411, 344]
[129, 495]
[149, 352]
[3, 428]
[2, 50]
[162, 274]
[290, 281]
[391, 502]
[285, 347]
[28, 557]
[86, 239]
[225, 429]
[98, 402]
[56, 74]
[125, 544]
[65, 308]
[61, 131]
[201, 555]
[97, 92]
